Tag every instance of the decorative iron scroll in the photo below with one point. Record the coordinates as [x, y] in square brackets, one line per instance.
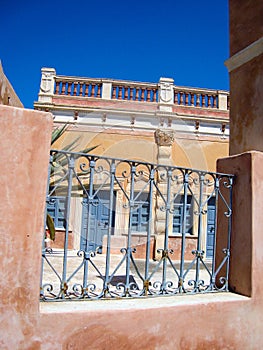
[106, 200]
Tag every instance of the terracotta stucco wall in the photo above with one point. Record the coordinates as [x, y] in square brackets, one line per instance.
[246, 75]
[246, 25]
[24, 144]
[246, 112]
[224, 321]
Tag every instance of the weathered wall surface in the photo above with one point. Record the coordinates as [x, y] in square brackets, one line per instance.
[24, 144]
[246, 75]
[204, 325]
[204, 322]
[246, 112]
[224, 321]
[186, 151]
[7, 93]
[246, 25]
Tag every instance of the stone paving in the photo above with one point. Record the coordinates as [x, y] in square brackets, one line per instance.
[96, 271]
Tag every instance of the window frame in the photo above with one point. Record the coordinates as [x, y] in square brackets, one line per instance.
[57, 200]
[140, 225]
[189, 216]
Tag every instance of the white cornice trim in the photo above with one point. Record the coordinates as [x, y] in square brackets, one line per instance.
[245, 55]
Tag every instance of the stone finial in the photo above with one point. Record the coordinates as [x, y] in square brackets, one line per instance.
[47, 84]
[164, 137]
[166, 94]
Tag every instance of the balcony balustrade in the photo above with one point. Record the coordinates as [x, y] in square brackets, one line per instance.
[122, 90]
[104, 203]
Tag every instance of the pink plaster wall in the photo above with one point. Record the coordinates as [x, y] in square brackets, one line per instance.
[246, 244]
[180, 322]
[246, 111]
[246, 25]
[206, 325]
[246, 81]
[24, 145]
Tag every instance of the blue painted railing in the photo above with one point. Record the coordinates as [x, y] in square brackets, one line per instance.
[108, 202]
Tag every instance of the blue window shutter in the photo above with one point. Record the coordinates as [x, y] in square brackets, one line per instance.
[178, 215]
[56, 207]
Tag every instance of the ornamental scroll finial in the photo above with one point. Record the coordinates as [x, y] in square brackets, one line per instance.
[164, 137]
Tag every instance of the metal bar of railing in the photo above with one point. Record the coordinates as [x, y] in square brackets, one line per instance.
[166, 232]
[149, 231]
[199, 253]
[107, 264]
[90, 201]
[181, 280]
[71, 164]
[129, 248]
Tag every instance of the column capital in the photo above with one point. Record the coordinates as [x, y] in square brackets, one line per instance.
[164, 137]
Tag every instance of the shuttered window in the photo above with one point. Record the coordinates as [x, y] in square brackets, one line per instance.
[56, 209]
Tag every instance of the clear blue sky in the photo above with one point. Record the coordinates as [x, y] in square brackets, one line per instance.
[134, 40]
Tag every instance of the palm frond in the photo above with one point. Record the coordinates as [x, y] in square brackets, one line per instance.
[57, 133]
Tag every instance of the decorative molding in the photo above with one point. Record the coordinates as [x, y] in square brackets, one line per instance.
[245, 55]
[164, 137]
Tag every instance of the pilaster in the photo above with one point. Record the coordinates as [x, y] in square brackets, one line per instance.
[47, 85]
[106, 90]
[166, 94]
[222, 100]
[164, 139]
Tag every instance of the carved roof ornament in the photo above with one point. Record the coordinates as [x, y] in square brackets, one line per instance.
[47, 80]
[166, 90]
[164, 137]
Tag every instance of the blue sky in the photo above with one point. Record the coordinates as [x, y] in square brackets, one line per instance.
[140, 40]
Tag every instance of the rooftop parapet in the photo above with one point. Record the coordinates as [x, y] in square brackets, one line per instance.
[164, 93]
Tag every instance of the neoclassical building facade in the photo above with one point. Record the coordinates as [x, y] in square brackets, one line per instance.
[152, 123]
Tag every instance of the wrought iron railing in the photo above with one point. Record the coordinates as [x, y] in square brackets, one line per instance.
[134, 229]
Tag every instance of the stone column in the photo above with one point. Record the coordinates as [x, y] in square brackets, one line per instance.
[164, 139]
[47, 85]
